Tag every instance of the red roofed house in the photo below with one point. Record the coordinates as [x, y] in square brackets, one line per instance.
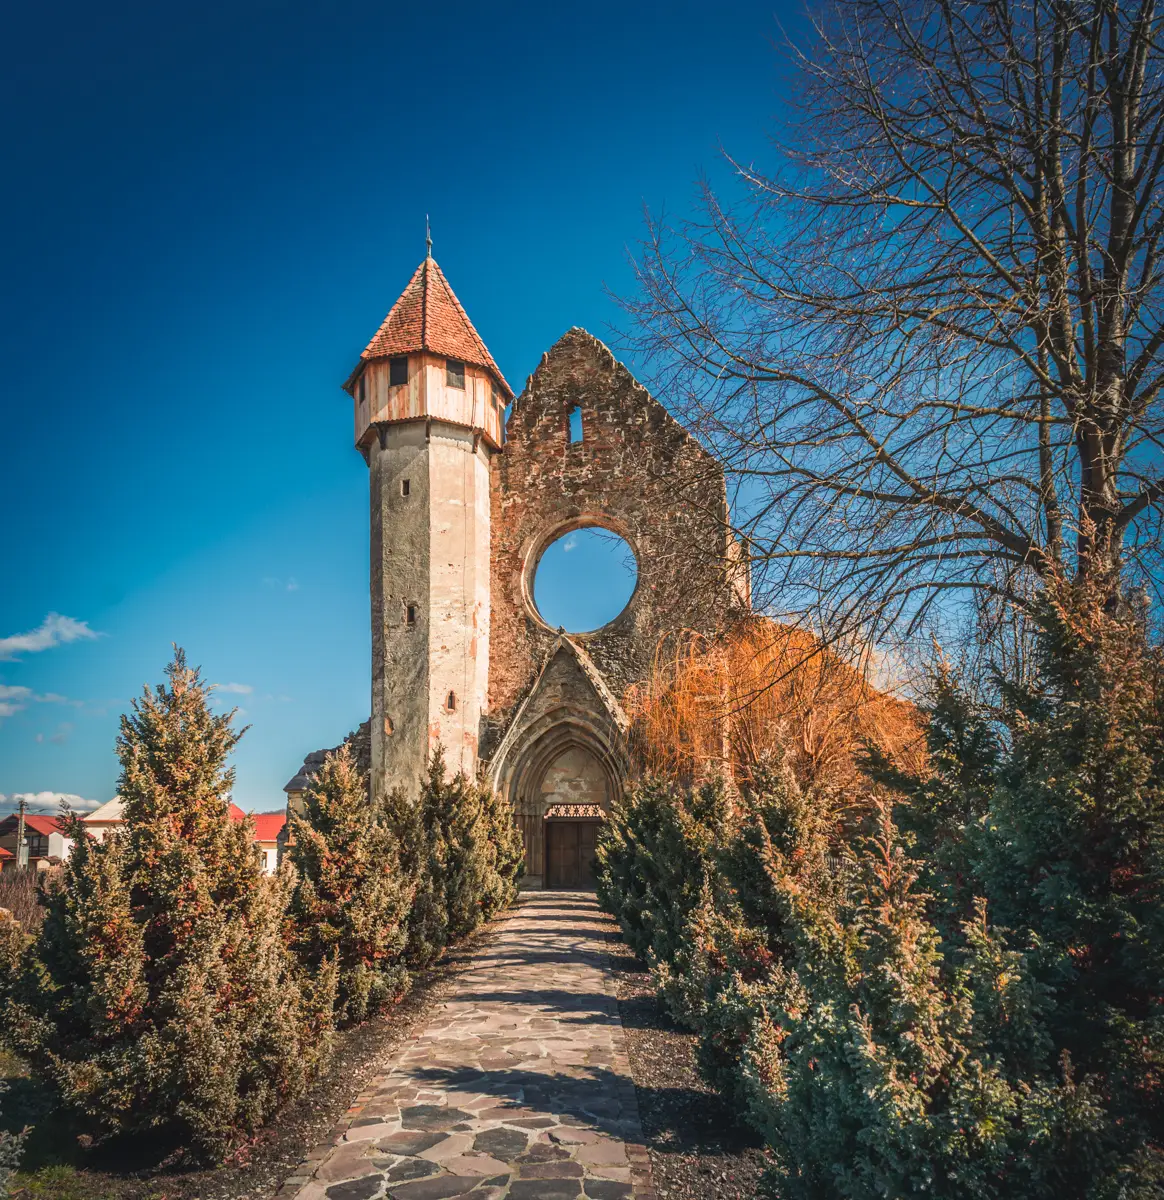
[268, 827]
[42, 835]
[7, 858]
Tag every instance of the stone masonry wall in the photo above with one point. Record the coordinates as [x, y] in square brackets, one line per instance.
[636, 472]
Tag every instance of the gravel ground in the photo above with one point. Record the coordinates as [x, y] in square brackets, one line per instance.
[698, 1148]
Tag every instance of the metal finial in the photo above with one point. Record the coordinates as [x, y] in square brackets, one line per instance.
[427, 237]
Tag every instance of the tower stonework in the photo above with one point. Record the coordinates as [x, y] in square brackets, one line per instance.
[428, 404]
[463, 506]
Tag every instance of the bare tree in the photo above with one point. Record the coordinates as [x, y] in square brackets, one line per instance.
[928, 344]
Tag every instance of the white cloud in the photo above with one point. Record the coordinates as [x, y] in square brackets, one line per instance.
[46, 802]
[236, 689]
[293, 585]
[54, 630]
[569, 544]
[288, 585]
[14, 699]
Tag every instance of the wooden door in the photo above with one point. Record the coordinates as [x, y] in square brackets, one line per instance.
[570, 849]
[587, 845]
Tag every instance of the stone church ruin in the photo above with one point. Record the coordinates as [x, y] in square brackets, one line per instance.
[463, 505]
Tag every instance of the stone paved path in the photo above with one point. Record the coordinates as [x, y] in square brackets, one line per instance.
[518, 1087]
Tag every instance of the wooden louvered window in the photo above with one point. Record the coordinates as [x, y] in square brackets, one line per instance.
[454, 373]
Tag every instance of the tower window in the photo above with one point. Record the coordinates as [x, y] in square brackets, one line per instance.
[362, 389]
[410, 614]
[454, 373]
[575, 424]
[405, 487]
[397, 371]
[451, 702]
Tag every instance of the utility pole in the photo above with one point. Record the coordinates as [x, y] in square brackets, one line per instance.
[21, 847]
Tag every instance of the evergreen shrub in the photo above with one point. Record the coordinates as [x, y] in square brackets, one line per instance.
[159, 995]
[11, 1147]
[462, 846]
[968, 1002]
[653, 858]
[351, 895]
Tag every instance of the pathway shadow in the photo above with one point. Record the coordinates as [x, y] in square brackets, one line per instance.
[566, 955]
[591, 1008]
[593, 1098]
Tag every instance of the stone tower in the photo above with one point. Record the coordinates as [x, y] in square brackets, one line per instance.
[429, 407]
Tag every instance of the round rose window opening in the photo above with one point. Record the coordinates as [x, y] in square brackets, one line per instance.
[584, 579]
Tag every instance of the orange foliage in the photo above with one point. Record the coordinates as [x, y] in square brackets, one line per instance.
[722, 706]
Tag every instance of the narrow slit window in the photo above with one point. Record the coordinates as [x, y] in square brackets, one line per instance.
[451, 702]
[575, 424]
[410, 614]
[405, 487]
[362, 388]
[398, 371]
[454, 373]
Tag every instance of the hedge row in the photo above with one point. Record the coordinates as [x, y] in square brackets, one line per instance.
[967, 1000]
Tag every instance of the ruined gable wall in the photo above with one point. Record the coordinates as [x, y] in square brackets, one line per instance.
[636, 472]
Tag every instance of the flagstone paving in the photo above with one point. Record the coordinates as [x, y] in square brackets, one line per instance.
[518, 1087]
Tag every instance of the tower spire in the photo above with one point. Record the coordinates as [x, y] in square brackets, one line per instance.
[427, 237]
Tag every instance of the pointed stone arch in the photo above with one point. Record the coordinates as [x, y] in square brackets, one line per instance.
[568, 710]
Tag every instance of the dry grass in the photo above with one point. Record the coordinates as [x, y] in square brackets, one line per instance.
[18, 894]
[725, 705]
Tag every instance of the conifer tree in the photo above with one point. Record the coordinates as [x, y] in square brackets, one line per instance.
[1074, 861]
[774, 846]
[464, 831]
[461, 846]
[506, 850]
[159, 994]
[11, 1147]
[426, 925]
[653, 856]
[351, 899]
[1002, 1037]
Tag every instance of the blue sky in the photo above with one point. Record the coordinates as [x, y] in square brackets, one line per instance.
[208, 210]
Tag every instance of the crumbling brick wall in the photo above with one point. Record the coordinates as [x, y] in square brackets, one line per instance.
[637, 472]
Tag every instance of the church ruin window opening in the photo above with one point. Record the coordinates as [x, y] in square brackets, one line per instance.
[575, 424]
[454, 373]
[451, 702]
[398, 371]
[405, 487]
[584, 579]
[410, 614]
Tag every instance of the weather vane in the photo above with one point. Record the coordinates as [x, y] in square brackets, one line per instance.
[427, 235]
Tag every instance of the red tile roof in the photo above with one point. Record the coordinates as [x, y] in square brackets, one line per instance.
[429, 317]
[37, 822]
[268, 825]
[236, 813]
[6, 853]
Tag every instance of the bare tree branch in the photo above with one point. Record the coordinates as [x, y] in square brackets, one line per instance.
[927, 345]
